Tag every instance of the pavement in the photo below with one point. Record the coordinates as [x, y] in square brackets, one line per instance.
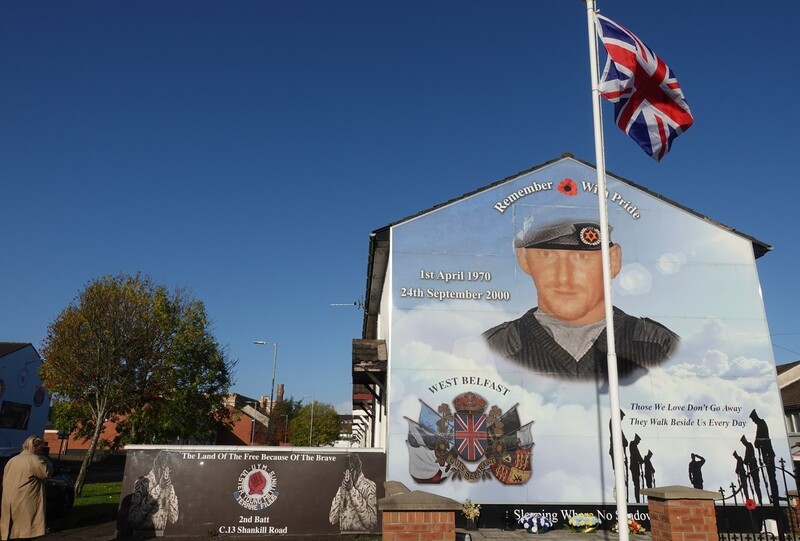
[99, 532]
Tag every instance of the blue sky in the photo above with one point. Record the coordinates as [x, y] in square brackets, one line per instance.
[245, 150]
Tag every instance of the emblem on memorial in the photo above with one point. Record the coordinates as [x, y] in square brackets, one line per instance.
[468, 442]
[257, 488]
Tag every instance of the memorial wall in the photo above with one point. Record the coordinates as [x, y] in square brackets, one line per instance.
[498, 380]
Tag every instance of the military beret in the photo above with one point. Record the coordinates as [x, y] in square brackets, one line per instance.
[562, 235]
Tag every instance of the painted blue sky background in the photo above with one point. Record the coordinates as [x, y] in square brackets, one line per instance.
[696, 401]
[245, 150]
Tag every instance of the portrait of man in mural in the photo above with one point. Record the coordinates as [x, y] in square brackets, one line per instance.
[565, 335]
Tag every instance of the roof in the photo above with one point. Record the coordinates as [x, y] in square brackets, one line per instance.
[790, 396]
[379, 239]
[7, 348]
[782, 368]
[789, 383]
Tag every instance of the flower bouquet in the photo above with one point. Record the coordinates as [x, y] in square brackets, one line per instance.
[583, 523]
[535, 523]
[633, 527]
[472, 511]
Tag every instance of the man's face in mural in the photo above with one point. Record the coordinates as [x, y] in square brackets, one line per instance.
[569, 283]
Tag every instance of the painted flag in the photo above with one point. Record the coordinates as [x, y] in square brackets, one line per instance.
[419, 436]
[470, 435]
[648, 102]
[521, 437]
[431, 420]
[423, 467]
[524, 436]
[510, 420]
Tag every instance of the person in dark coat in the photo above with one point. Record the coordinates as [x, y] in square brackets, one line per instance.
[22, 512]
[565, 335]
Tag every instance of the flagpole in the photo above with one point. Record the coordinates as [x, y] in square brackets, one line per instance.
[613, 377]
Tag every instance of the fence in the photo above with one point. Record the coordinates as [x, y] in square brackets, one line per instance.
[748, 513]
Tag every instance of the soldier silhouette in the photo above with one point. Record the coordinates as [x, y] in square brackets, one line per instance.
[624, 450]
[767, 454]
[741, 473]
[752, 467]
[636, 467]
[695, 470]
[649, 470]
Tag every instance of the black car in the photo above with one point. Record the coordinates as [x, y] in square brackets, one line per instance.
[59, 490]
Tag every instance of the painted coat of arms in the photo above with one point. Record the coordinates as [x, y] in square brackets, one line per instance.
[470, 444]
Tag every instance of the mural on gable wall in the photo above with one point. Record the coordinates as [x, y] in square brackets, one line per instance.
[497, 354]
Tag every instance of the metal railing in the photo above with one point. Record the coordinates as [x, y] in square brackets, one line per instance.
[754, 509]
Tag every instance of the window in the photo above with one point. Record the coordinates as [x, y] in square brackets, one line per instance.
[793, 422]
[14, 415]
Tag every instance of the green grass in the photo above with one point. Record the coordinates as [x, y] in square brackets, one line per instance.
[98, 504]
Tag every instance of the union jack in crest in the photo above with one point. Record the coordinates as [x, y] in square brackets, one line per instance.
[470, 435]
[648, 102]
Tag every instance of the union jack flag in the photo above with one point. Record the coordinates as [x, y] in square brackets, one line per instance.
[648, 102]
[470, 436]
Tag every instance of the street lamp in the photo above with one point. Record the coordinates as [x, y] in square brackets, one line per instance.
[272, 389]
[311, 426]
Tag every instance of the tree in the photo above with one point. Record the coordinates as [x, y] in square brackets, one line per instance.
[325, 428]
[192, 407]
[285, 411]
[129, 350]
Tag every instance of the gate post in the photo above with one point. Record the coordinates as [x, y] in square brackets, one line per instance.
[682, 514]
[416, 515]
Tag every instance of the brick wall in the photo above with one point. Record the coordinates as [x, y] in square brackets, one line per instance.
[419, 526]
[683, 520]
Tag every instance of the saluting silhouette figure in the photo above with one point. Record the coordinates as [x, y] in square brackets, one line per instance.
[695, 470]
